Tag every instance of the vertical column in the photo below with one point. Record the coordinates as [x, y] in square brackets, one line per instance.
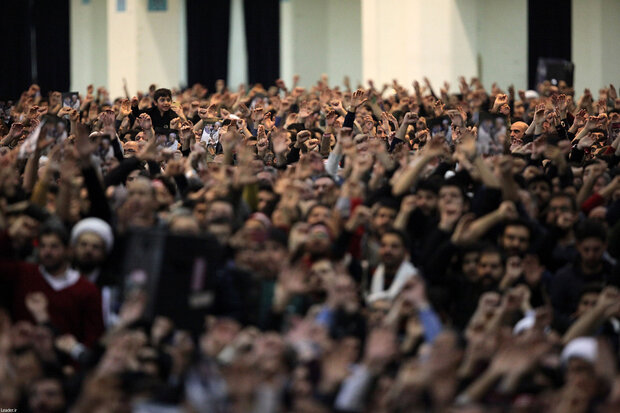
[287, 41]
[320, 36]
[88, 37]
[408, 40]
[237, 50]
[595, 33]
[344, 41]
[123, 45]
[444, 39]
[502, 42]
[159, 35]
[116, 39]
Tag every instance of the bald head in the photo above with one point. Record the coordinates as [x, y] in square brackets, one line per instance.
[517, 131]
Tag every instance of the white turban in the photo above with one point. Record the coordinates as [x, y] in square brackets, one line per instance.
[97, 226]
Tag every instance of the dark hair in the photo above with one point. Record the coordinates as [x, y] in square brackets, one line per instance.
[590, 228]
[159, 93]
[55, 227]
[316, 206]
[455, 182]
[517, 223]
[387, 202]
[430, 184]
[539, 178]
[589, 288]
[265, 186]
[492, 249]
[404, 238]
[571, 199]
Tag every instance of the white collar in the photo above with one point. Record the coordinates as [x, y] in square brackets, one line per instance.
[405, 271]
[57, 283]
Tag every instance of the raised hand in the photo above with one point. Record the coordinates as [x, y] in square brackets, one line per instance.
[303, 136]
[500, 99]
[438, 108]
[539, 114]
[144, 122]
[16, 130]
[37, 305]
[65, 110]
[410, 118]
[84, 146]
[508, 210]
[304, 111]
[125, 109]
[358, 98]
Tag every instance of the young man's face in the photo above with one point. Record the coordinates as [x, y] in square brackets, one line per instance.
[451, 200]
[319, 214]
[163, 103]
[541, 191]
[392, 250]
[591, 251]
[490, 268]
[515, 239]
[426, 201]
[383, 219]
[89, 251]
[470, 261]
[52, 252]
[46, 395]
[265, 198]
[560, 209]
[586, 302]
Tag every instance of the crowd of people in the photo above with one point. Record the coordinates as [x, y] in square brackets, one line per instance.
[379, 249]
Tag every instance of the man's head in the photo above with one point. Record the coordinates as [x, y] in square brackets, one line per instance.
[92, 239]
[490, 268]
[517, 131]
[221, 229]
[540, 187]
[141, 192]
[515, 238]
[319, 213]
[325, 189]
[163, 99]
[199, 209]
[469, 262]
[426, 196]
[219, 208]
[452, 199]
[591, 243]
[561, 211]
[47, 396]
[394, 248]
[587, 299]
[53, 247]
[183, 222]
[267, 199]
[384, 213]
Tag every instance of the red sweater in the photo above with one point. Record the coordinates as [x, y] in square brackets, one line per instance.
[75, 310]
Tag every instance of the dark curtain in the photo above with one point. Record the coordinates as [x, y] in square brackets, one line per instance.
[53, 45]
[208, 31]
[50, 21]
[262, 33]
[549, 33]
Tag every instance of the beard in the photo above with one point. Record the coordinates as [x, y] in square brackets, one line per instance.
[52, 266]
[85, 266]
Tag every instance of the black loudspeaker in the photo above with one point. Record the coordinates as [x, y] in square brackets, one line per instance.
[176, 272]
[554, 70]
